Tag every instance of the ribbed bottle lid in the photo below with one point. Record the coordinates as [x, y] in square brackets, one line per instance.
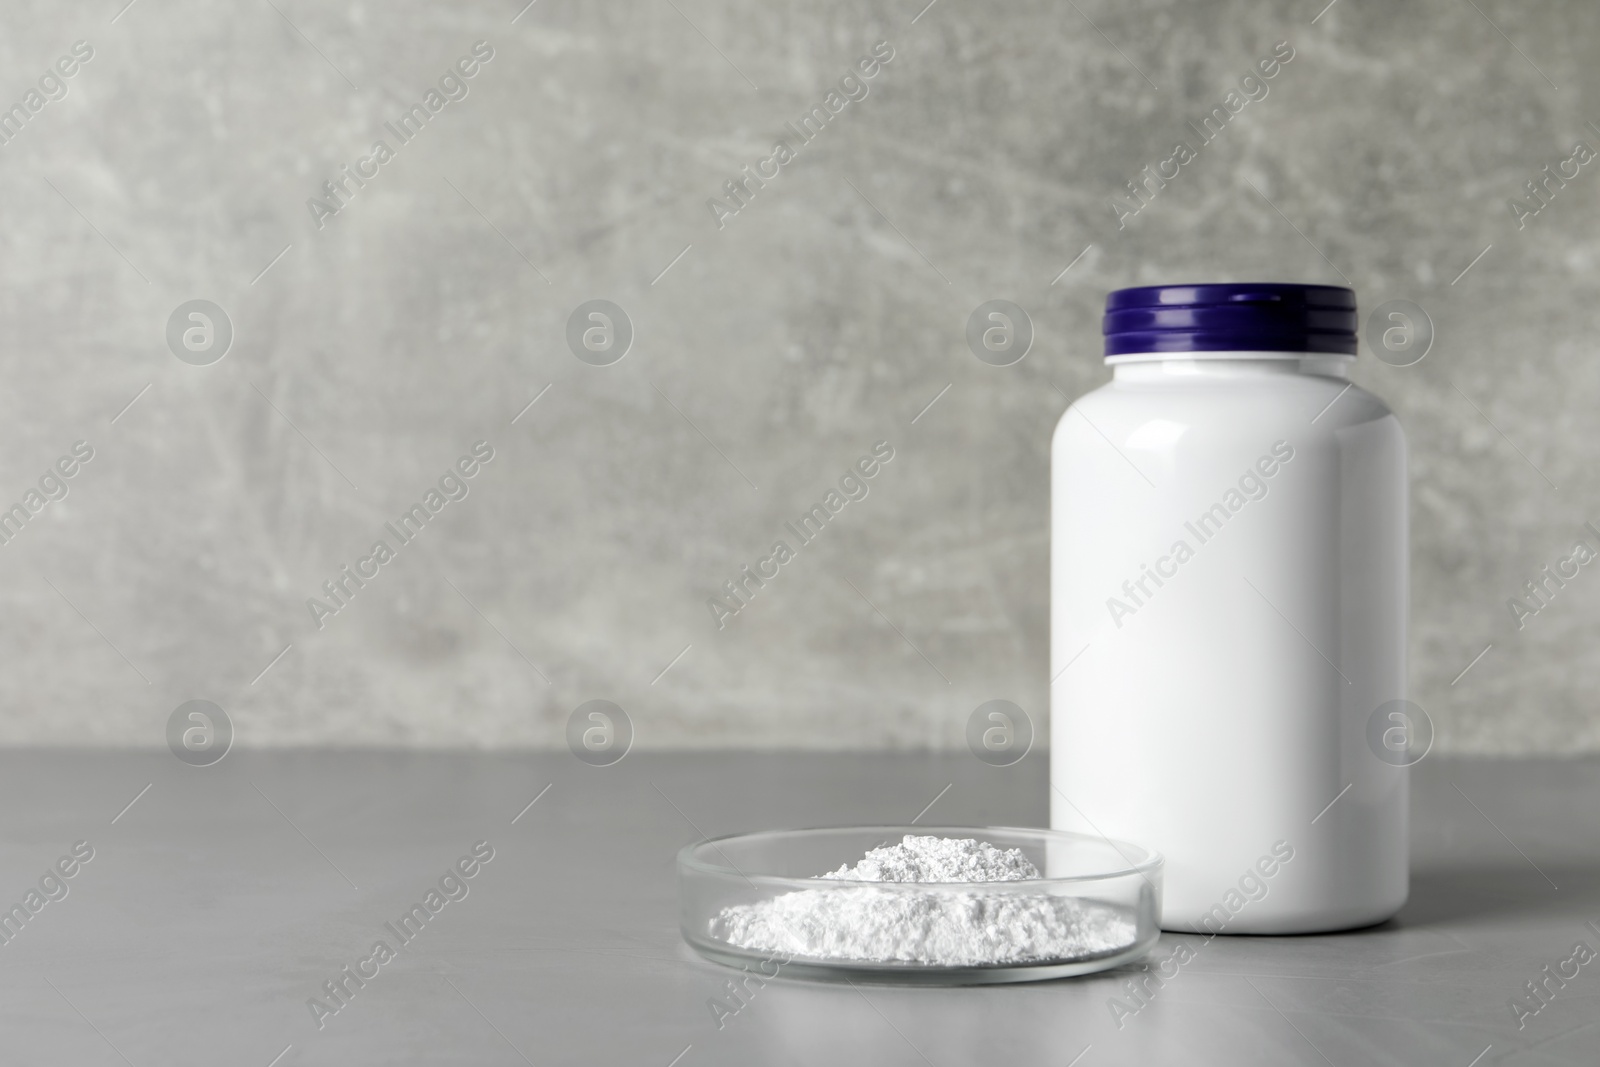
[1231, 317]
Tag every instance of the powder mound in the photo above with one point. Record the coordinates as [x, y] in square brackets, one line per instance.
[939, 859]
[947, 928]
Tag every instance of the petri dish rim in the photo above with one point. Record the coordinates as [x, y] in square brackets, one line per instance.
[689, 860]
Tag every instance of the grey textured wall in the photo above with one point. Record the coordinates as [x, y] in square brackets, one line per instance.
[775, 351]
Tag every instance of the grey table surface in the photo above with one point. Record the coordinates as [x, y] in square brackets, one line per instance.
[224, 897]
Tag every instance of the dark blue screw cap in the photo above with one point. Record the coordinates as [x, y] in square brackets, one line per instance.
[1231, 317]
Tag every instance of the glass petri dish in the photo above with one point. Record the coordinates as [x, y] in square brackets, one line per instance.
[756, 902]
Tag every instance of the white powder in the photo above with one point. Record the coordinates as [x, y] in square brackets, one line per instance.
[939, 859]
[947, 928]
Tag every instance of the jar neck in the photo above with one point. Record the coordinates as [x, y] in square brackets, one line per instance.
[1167, 365]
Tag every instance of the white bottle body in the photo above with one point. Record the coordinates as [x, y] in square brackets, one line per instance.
[1213, 701]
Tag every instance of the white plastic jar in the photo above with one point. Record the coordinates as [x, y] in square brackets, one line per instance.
[1228, 609]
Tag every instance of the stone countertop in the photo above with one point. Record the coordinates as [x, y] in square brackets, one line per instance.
[222, 898]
